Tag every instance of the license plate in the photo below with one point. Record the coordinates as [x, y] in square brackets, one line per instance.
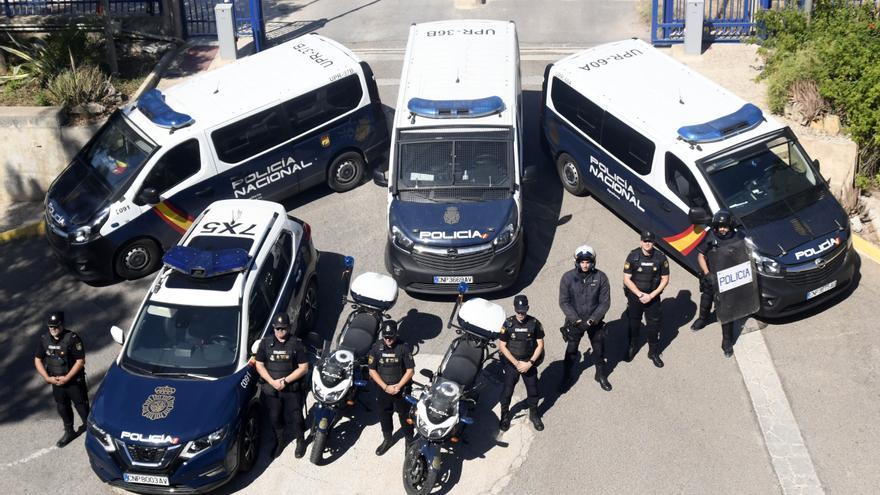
[145, 479]
[825, 288]
[453, 280]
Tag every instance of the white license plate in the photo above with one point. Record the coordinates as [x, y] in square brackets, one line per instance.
[145, 479]
[453, 280]
[825, 288]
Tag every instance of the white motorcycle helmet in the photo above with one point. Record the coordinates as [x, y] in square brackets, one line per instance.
[585, 252]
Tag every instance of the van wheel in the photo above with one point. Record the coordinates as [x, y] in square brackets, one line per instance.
[138, 258]
[308, 311]
[346, 171]
[570, 175]
[249, 440]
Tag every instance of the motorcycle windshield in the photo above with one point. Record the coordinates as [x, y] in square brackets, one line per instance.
[442, 400]
[336, 368]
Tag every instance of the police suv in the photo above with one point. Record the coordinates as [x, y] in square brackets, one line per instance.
[268, 126]
[177, 410]
[663, 147]
[454, 200]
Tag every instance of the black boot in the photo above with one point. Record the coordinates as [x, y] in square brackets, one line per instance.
[300, 447]
[68, 437]
[602, 378]
[698, 324]
[408, 435]
[654, 356]
[279, 444]
[385, 445]
[504, 424]
[727, 348]
[536, 418]
[631, 354]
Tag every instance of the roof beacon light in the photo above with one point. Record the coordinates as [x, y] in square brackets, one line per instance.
[152, 105]
[451, 109]
[205, 264]
[742, 120]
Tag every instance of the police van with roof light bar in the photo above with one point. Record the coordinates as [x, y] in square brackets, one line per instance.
[663, 147]
[268, 126]
[455, 171]
[177, 411]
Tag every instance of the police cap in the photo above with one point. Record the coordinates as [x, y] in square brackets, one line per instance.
[648, 236]
[389, 329]
[55, 319]
[521, 303]
[281, 320]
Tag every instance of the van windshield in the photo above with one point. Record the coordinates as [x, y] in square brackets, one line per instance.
[758, 177]
[117, 152]
[460, 160]
[194, 341]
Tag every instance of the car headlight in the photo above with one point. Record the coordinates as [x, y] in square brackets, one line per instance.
[196, 447]
[505, 237]
[765, 265]
[101, 436]
[86, 233]
[400, 239]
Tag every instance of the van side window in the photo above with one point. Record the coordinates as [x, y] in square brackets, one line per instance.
[258, 314]
[324, 104]
[627, 145]
[250, 136]
[275, 268]
[682, 182]
[178, 164]
[580, 111]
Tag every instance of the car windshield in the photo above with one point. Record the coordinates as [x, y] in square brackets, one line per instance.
[761, 176]
[170, 339]
[480, 161]
[117, 152]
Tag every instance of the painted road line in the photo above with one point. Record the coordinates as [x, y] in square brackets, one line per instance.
[866, 248]
[782, 436]
[29, 458]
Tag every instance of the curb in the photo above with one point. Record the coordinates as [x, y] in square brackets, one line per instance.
[28, 230]
[866, 248]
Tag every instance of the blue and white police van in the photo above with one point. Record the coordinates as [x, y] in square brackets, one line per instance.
[177, 411]
[454, 185]
[664, 147]
[268, 126]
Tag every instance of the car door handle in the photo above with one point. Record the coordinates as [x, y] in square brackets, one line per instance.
[208, 191]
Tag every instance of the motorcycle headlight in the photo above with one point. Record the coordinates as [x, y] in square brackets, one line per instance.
[328, 395]
[101, 436]
[196, 447]
[430, 430]
[505, 237]
[86, 233]
[400, 239]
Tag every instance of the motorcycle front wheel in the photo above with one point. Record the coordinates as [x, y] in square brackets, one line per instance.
[317, 454]
[418, 477]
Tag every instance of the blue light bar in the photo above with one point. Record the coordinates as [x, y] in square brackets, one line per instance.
[152, 105]
[450, 109]
[742, 120]
[206, 264]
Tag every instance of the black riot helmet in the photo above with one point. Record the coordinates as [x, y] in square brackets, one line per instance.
[389, 329]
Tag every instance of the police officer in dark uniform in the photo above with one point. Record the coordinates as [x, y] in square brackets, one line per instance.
[60, 359]
[722, 233]
[522, 345]
[584, 297]
[391, 368]
[282, 363]
[645, 275]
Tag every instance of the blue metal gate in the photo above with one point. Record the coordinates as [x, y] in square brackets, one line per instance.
[198, 17]
[723, 20]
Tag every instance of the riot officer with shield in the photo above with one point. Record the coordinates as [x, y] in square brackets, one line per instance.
[60, 360]
[391, 369]
[282, 363]
[645, 275]
[522, 345]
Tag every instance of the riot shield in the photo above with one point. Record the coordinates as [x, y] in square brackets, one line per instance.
[735, 280]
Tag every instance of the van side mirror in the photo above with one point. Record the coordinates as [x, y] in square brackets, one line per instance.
[379, 178]
[117, 334]
[816, 165]
[699, 216]
[530, 173]
[255, 346]
[148, 196]
[427, 373]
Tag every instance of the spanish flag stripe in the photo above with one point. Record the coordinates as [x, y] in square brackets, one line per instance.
[173, 217]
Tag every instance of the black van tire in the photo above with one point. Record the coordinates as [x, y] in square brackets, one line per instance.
[346, 171]
[308, 311]
[138, 258]
[570, 176]
[249, 440]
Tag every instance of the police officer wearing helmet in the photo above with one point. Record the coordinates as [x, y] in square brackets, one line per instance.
[645, 275]
[60, 359]
[722, 233]
[282, 363]
[584, 297]
[522, 345]
[391, 368]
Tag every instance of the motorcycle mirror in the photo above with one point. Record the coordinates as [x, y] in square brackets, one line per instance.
[360, 383]
[117, 334]
[427, 373]
[255, 346]
[467, 421]
[409, 398]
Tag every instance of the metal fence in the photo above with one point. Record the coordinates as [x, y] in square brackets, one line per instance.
[199, 18]
[13, 8]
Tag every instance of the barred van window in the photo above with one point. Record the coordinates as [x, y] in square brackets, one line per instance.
[250, 136]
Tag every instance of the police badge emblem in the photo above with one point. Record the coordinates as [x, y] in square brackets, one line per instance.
[160, 404]
[451, 216]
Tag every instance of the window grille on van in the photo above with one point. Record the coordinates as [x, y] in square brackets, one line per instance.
[455, 194]
[454, 160]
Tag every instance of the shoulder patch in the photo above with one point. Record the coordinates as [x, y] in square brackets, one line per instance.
[370, 359]
[626, 266]
[665, 263]
[79, 346]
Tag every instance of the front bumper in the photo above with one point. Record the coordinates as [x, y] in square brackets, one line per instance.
[89, 262]
[787, 295]
[491, 271]
[200, 474]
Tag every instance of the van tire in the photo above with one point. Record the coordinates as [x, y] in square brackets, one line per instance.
[570, 175]
[138, 258]
[346, 171]
[308, 312]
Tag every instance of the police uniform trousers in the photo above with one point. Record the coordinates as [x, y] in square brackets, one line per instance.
[596, 334]
[653, 316]
[707, 297]
[388, 404]
[511, 376]
[74, 391]
[285, 407]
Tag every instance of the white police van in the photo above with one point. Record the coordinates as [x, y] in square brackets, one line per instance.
[454, 195]
[268, 126]
[663, 147]
[177, 410]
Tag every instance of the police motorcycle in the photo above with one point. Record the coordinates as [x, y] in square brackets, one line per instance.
[339, 374]
[442, 410]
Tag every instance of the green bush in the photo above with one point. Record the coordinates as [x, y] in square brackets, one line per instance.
[40, 59]
[80, 85]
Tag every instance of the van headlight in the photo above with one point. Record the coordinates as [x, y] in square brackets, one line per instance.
[505, 237]
[86, 233]
[196, 447]
[766, 266]
[400, 239]
[101, 436]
